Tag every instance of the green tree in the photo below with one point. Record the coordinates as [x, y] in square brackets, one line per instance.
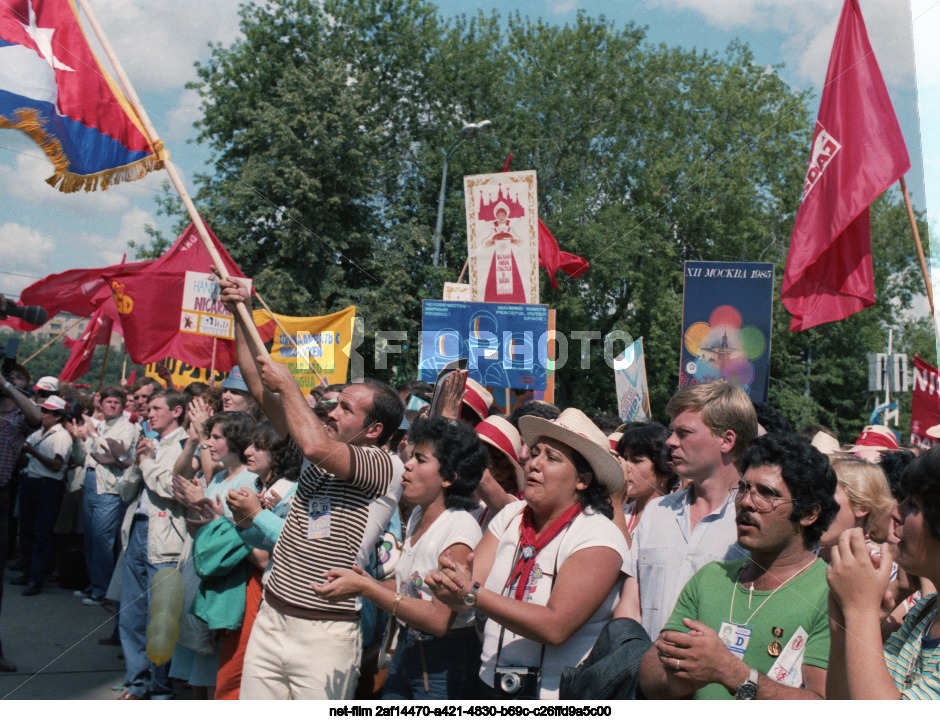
[327, 125]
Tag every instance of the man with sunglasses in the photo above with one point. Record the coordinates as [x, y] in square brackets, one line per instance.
[757, 627]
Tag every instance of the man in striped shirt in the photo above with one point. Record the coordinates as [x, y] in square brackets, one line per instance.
[303, 646]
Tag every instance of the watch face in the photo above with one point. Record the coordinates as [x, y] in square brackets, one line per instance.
[747, 691]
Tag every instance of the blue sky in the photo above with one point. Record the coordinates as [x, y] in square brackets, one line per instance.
[43, 231]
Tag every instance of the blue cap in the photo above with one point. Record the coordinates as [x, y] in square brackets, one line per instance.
[235, 381]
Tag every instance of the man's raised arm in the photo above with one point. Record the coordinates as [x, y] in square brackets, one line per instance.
[233, 291]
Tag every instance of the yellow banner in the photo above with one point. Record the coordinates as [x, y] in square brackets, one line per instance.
[182, 373]
[316, 349]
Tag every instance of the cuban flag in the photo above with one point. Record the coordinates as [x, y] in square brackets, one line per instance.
[53, 89]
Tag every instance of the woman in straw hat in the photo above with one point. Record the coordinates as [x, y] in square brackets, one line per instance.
[546, 573]
[437, 651]
[503, 480]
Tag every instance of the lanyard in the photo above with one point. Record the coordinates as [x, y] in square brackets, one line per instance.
[737, 580]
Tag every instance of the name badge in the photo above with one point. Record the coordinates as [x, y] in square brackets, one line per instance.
[735, 638]
[318, 522]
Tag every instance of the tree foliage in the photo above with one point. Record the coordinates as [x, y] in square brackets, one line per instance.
[327, 124]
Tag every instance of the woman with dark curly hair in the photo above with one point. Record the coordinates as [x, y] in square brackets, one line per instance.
[548, 571]
[438, 651]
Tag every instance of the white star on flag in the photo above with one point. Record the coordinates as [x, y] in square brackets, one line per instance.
[43, 39]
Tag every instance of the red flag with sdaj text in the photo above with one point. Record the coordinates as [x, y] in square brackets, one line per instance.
[149, 304]
[857, 153]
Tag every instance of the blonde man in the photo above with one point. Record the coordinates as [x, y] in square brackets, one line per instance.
[712, 425]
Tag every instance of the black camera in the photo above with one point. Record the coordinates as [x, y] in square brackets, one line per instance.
[517, 682]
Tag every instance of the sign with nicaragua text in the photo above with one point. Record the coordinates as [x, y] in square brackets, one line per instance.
[203, 312]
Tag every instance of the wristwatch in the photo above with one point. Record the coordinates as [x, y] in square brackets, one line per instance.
[747, 691]
[470, 598]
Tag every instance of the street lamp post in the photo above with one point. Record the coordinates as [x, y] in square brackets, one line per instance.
[466, 132]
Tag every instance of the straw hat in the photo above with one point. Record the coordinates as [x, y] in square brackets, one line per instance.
[933, 431]
[824, 443]
[576, 430]
[500, 434]
[876, 438]
[477, 398]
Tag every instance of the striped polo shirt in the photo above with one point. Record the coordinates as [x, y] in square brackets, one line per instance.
[326, 528]
[913, 659]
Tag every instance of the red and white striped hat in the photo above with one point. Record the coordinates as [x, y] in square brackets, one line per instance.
[477, 398]
[500, 434]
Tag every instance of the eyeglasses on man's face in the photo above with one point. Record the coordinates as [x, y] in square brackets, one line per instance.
[763, 497]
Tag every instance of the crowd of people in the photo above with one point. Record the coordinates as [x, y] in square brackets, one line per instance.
[365, 542]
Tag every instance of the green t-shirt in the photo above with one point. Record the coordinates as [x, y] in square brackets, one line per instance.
[800, 602]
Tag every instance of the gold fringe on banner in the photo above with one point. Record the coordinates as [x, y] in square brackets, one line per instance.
[29, 121]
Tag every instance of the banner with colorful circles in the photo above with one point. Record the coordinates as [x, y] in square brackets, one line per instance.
[726, 320]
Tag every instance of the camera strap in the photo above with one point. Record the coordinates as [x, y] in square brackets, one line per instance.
[505, 592]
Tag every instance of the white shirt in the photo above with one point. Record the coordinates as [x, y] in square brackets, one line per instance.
[419, 559]
[587, 530]
[666, 552]
[54, 442]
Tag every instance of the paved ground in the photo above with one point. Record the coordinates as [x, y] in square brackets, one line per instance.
[53, 639]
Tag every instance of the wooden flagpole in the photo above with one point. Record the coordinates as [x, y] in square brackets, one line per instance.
[284, 331]
[104, 364]
[215, 342]
[241, 309]
[124, 368]
[928, 286]
[72, 325]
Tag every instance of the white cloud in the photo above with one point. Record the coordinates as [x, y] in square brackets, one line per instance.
[32, 251]
[179, 121]
[560, 7]
[102, 250]
[157, 43]
[809, 29]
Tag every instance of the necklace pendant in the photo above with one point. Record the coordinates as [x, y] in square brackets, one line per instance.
[528, 552]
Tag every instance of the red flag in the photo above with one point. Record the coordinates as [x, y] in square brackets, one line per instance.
[925, 406]
[857, 153]
[149, 304]
[97, 332]
[553, 259]
[72, 291]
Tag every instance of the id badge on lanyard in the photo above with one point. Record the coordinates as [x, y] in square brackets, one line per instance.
[735, 637]
[318, 520]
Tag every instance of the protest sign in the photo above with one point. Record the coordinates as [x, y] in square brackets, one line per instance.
[203, 312]
[504, 343]
[457, 291]
[633, 396]
[517, 397]
[183, 374]
[316, 349]
[726, 319]
[502, 237]
[925, 404]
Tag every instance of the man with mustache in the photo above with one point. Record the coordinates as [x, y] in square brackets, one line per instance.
[757, 627]
[712, 424]
[303, 646]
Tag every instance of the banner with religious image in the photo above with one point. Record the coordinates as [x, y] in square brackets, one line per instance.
[727, 311]
[502, 237]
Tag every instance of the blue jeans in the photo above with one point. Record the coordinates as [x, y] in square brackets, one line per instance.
[101, 516]
[452, 664]
[39, 501]
[141, 677]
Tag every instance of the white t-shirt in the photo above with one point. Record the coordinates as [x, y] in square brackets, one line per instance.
[418, 560]
[55, 442]
[587, 530]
